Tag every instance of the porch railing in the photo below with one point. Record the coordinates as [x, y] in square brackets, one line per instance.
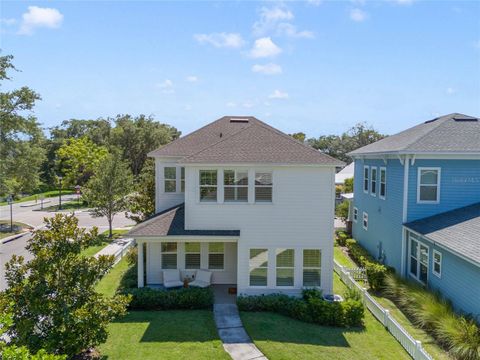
[412, 346]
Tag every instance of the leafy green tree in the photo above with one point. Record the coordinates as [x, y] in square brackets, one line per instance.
[348, 185]
[137, 136]
[98, 131]
[141, 203]
[341, 210]
[21, 138]
[300, 136]
[78, 159]
[339, 146]
[108, 189]
[52, 297]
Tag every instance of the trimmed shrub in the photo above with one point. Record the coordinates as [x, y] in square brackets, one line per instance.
[460, 335]
[153, 299]
[311, 308]
[312, 293]
[342, 238]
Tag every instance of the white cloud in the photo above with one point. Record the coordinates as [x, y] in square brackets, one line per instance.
[221, 40]
[451, 91]
[358, 15]
[8, 22]
[248, 104]
[37, 17]
[187, 107]
[291, 31]
[231, 104]
[403, 2]
[315, 2]
[267, 69]
[278, 94]
[264, 47]
[166, 86]
[269, 17]
[192, 78]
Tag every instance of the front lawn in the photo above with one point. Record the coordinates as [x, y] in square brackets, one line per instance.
[47, 194]
[18, 227]
[180, 334]
[104, 240]
[280, 337]
[110, 282]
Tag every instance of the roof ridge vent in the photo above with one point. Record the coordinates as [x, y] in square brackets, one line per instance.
[459, 118]
[239, 120]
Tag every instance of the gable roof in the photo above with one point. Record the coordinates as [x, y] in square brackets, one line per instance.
[456, 230]
[171, 222]
[453, 133]
[243, 139]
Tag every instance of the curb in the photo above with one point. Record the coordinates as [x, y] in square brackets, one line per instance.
[13, 237]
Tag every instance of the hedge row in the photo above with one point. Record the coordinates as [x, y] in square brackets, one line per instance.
[157, 299]
[311, 308]
[376, 272]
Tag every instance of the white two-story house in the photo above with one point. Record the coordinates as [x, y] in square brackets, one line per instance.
[245, 201]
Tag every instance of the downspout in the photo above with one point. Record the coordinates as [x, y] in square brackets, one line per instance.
[406, 162]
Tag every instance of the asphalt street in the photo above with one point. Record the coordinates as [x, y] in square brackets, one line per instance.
[32, 215]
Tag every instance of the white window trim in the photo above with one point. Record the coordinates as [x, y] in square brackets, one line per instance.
[311, 268]
[368, 179]
[382, 168]
[259, 267]
[365, 215]
[170, 179]
[437, 274]
[262, 186]
[199, 186]
[374, 194]
[417, 257]
[419, 171]
[182, 180]
[167, 252]
[215, 252]
[199, 252]
[235, 171]
[355, 214]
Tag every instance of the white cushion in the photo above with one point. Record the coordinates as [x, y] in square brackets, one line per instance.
[204, 276]
[199, 283]
[172, 284]
[171, 275]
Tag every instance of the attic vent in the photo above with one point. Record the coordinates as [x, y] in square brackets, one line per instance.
[464, 119]
[239, 120]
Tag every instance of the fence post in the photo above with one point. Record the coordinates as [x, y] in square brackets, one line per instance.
[418, 347]
[386, 317]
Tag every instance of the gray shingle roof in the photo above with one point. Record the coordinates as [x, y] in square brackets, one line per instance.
[458, 230]
[172, 222]
[451, 133]
[243, 140]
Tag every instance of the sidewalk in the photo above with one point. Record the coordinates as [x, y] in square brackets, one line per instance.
[117, 248]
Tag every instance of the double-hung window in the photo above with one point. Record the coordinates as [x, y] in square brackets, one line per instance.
[373, 183]
[216, 255]
[428, 189]
[258, 267]
[208, 185]
[263, 186]
[365, 220]
[169, 255]
[383, 183]
[312, 264]
[355, 214]
[182, 179]
[418, 259]
[192, 255]
[285, 267]
[366, 172]
[437, 263]
[170, 179]
[235, 185]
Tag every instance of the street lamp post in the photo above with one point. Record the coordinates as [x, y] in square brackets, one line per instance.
[60, 193]
[77, 191]
[10, 202]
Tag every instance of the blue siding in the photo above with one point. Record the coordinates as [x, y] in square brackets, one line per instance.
[459, 186]
[384, 216]
[459, 281]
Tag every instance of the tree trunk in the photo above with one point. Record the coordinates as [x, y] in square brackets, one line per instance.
[110, 221]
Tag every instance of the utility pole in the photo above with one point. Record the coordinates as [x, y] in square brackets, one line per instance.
[60, 193]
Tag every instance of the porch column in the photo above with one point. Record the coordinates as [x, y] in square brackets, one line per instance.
[140, 264]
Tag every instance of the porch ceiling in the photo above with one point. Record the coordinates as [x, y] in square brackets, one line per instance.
[171, 222]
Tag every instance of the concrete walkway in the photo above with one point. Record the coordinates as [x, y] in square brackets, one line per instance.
[230, 328]
[118, 248]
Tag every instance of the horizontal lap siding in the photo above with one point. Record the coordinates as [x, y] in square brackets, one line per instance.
[384, 216]
[459, 186]
[165, 200]
[301, 216]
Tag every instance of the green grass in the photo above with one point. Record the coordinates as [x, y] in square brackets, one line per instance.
[428, 342]
[7, 234]
[182, 334]
[69, 205]
[109, 284]
[46, 194]
[92, 250]
[280, 337]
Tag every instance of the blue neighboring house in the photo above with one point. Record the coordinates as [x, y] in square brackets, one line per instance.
[417, 205]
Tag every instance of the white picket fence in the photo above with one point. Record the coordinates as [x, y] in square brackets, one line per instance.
[412, 346]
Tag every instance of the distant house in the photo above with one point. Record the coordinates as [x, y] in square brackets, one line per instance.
[345, 173]
[245, 202]
[417, 205]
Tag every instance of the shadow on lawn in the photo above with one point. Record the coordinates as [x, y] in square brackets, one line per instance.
[174, 325]
[279, 328]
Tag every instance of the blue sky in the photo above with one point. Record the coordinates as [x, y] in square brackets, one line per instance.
[318, 66]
